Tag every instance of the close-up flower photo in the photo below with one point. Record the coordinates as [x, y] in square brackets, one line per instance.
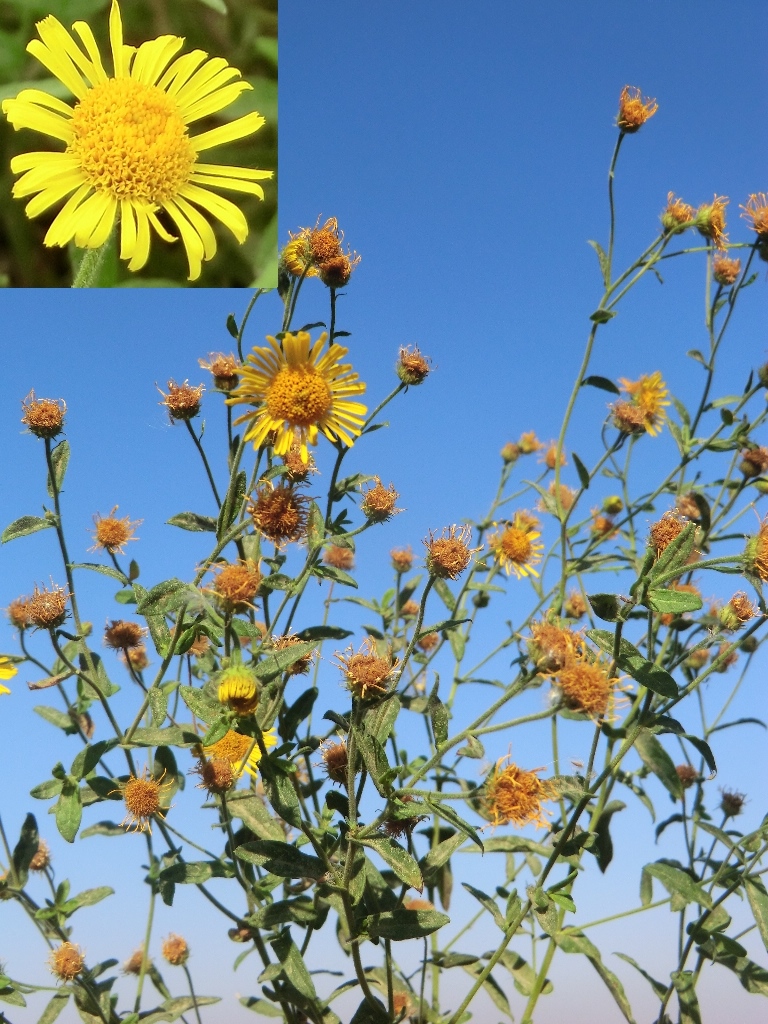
[131, 156]
[383, 618]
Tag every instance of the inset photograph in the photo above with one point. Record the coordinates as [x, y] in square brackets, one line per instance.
[138, 143]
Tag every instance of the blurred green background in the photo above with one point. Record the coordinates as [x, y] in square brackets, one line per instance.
[244, 32]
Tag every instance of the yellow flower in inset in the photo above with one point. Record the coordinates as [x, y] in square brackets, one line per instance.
[649, 396]
[514, 547]
[299, 390]
[234, 747]
[128, 152]
[7, 671]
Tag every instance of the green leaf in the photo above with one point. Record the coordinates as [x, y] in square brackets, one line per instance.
[46, 790]
[195, 872]
[172, 736]
[232, 326]
[278, 581]
[758, 901]
[474, 748]
[54, 1007]
[103, 828]
[25, 850]
[679, 884]
[281, 859]
[603, 847]
[172, 1009]
[89, 757]
[492, 988]
[393, 854]
[193, 522]
[87, 898]
[523, 975]
[324, 633]
[24, 526]
[366, 1013]
[601, 382]
[442, 853]
[381, 719]
[153, 597]
[232, 503]
[59, 460]
[69, 810]
[401, 924]
[439, 627]
[254, 815]
[445, 593]
[695, 354]
[439, 716]
[105, 570]
[577, 942]
[659, 990]
[293, 966]
[376, 761]
[448, 814]
[685, 986]
[651, 676]
[655, 757]
[582, 470]
[606, 607]
[278, 661]
[315, 527]
[676, 554]
[489, 903]
[674, 601]
[752, 977]
[602, 316]
[201, 706]
[602, 259]
[330, 572]
[458, 642]
[158, 703]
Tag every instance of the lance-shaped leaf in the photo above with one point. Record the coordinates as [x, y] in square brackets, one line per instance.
[172, 1009]
[25, 850]
[673, 602]
[401, 924]
[758, 901]
[523, 975]
[193, 522]
[278, 661]
[631, 661]
[393, 854]
[292, 963]
[254, 815]
[489, 903]
[69, 810]
[281, 859]
[685, 986]
[679, 884]
[655, 757]
[150, 600]
[202, 706]
[577, 942]
[24, 526]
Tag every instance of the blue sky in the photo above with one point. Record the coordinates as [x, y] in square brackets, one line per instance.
[464, 149]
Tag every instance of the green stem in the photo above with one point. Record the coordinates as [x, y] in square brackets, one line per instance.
[88, 272]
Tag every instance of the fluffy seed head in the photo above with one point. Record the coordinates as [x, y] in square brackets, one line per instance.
[449, 554]
[529, 443]
[754, 461]
[737, 612]
[216, 776]
[378, 504]
[43, 416]
[133, 964]
[283, 643]
[515, 795]
[339, 558]
[48, 608]
[66, 961]
[585, 686]
[183, 400]
[142, 796]
[732, 802]
[18, 612]
[122, 636]
[725, 270]
[175, 950]
[298, 469]
[575, 606]
[412, 367]
[428, 642]
[279, 513]
[136, 657]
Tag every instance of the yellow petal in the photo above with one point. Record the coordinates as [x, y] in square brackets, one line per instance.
[238, 129]
[229, 214]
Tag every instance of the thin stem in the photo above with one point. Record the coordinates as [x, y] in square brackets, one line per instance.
[204, 457]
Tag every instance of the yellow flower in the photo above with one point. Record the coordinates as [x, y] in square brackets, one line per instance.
[299, 390]
[514, 547]
[515, 795]
[7, 671]
[649, 396]
[128, 152]
[234, 747]
[634, 111]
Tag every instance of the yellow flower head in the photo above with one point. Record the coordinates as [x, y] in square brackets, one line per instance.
[239, 688]
[515, 795]
[242, 752]
[649, 397]
[144, 798]
[7, 671]
[128, 154]
[756, 211]
[112, 533]
[710, 221]
[634, 111]
[298, 391]
[515, 549]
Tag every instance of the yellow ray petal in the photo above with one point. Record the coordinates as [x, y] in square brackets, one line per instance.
[229, 214]
[237, 129]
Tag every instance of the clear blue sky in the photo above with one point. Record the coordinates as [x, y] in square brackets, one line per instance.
[464, 149]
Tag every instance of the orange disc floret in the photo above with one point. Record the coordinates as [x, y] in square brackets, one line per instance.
[136, 657]
[239, 689]
[142, 797]
[529, 443]
[710, 221]
[677, 215]
[240, 751]
[756, 212]
[378, 504]
[737, 612]
[236, 584]
[335, 761]
[634, 111]
[575, 607]
[216, 776]
[648, 395]
[279, 513]
[412, 367]
[549, 458]
[175, 950]
[183, 400]
[449, 555]
[725, 270]
[756, 553]
[18, 612]
[43, 416]
[112, 534]
[428, 642]
[48, 608]
[551, 646]
[339, 557]
[134, 962]
[122, 636]
[367, 673]
[515, 795]
[225, 370]
[667, 529]
[66, 961]
[402, 559]
[585, 686]
[514, 546]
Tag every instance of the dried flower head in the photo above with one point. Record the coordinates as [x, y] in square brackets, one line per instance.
[122, 636]
[66, 961]
[48, 608]
[367, 673]
[279, 513]
[402, 559]
[628, 418]
[112, 534]
[575, 607]
[688, 506]
[449, 554]
[412, 367]
[297, 468]
[515, 547]
[396, 827]
[586, 686]
[41, 858]
[236, 584]
[529, 443]
[335, 761]
[239, 751]
[216, 776]
[378, 504]
[756, 552]
[410, 609]
[551, 646]
[710, 221]
[339, 557]
[677, 215]
[724, 658]
[634, 111]
[756, 212]
[737, 612]
[136, 657]
[428, 642]
[43, 416]
[317, 252]
[302, 665]
[143, 796]
[510, 452]
[175, 950]
[416, 903]
[18, 612]
[134, 962]
[697, 659]
[515, 795]
[725, 270]
[402, 1005]
[182, 401]
[225, 370]
[687, 775]
[549, 458]
[648, 395]
[754, 461]
[602, 526]
[239, 689]
[667, 529]
[336, 272]
[566, 494]
[732, 802]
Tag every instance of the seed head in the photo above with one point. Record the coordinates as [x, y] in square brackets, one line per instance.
[224, 369]
[122, 636]
[66, 961]
[239, 689]
[279, 513]
[634, 111]
[663, 532]
[575, 606]
[510, 452]
[412, 367]
[549, 458]
[756, 212]
[216, 776]
[112, 534]
[688, 506]
[283, 643]
[339, 558]
[515, 795]
[416, 903]
[756, 552]
[18, 612]
[336, 272]
[687, 775]
[602, 526]
[677, 215]
[754, 461]
[133, 964]
[43, 416]
[236, 584]
[378, 504]
[449, 554]
[298, 469]
[428, 642]
[142, 797]
[628, 418]
[48, 608]
[182, 401]
[199, 646]
[136, 657]
[697, 659]
[409, 610]
[551, 646]
[335, 761]
[737, 612]
[175, 950]
[725, 270]
[402, 559]
[367, 673]
[710, 221]
[41, 858]
[732, 802]
[317, 252]
[585, 686]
